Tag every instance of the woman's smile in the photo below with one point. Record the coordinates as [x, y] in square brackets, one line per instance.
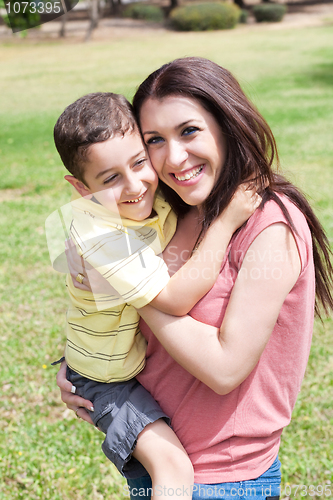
[189, 177]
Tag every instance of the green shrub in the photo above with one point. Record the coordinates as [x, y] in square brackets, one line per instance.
[243, 16]
[21, 20]
[269, 12]
[146, 12]
[207, 16]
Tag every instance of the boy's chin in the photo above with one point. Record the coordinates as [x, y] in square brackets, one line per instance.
[137, 215]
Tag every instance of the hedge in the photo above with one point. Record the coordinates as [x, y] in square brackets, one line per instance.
[269, 12]
[145, 12]
[207, 16]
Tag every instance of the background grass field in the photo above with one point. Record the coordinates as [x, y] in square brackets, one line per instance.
[45, 453]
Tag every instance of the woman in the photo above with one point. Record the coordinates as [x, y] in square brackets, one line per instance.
[228, 374]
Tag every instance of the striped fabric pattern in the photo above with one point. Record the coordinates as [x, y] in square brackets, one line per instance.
[104, 342]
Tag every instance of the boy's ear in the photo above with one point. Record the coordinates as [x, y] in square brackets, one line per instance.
[79, 186]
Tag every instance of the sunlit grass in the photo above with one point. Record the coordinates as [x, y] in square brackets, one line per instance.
[44, 452]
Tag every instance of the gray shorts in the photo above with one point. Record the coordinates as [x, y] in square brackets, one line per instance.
[122, 411]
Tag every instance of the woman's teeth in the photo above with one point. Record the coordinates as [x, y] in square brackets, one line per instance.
[189, 175]
[137, 200]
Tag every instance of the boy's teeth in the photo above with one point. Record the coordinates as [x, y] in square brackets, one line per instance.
[186, 177]
[138, 199]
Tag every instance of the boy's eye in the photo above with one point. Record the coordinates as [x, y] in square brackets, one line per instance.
[140, 163]
[154, 140]
[110, 179]
[189, 130]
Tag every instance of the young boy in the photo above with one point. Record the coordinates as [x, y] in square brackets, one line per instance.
[119, 227]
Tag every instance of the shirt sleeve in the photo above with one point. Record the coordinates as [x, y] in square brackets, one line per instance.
[263, 218]
[130, 265]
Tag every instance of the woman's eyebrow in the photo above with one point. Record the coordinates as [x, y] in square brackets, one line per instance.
[150, 132]
[184, 123]
[176, 127]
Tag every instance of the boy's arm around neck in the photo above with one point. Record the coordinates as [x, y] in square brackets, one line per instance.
[198, 275]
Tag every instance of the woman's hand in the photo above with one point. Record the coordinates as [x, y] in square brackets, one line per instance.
[73, 402]
[84, 276]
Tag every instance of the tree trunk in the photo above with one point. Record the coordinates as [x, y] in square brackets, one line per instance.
[115, 7]
[94, 4]
[62, 31]
[240, 3]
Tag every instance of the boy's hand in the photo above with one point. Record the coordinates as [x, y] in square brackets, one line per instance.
[77, 267]
[84, 276]
[242, 205]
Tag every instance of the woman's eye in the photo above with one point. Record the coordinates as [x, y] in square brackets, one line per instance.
[190, 130]
[154, 140]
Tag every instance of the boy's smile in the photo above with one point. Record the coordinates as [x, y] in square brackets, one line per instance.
[118, 174]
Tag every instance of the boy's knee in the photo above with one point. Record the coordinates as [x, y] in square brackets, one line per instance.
[178, 464]
[188, 470]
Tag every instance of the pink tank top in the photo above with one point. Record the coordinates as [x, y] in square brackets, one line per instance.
[236, 437]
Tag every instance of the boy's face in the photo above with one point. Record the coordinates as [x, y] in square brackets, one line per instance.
[119, 175]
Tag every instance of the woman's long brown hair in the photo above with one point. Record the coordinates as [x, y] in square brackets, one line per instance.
[251, 152]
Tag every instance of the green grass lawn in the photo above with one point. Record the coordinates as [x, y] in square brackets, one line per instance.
[45, 453]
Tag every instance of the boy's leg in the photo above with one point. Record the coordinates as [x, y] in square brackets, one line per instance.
[161, 453]
[139, 488]
[132, 419]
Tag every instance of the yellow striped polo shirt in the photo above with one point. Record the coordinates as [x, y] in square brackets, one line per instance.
[104, 342]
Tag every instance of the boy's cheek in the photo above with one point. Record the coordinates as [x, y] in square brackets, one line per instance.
[154, 179]
[107, 198]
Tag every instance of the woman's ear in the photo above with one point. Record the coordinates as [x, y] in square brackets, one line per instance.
[79, 186]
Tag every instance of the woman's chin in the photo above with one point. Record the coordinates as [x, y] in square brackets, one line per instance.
[193, 201]
[193, 197]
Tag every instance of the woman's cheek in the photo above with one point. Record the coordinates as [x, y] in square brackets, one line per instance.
[155, 159]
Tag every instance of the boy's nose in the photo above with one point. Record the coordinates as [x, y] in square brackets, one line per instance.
[133, 184]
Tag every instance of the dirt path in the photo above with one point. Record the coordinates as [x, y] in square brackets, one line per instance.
[113, 28]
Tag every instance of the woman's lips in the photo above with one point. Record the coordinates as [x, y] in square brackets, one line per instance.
[188, 177]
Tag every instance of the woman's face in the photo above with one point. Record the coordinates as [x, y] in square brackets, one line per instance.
[185, 144]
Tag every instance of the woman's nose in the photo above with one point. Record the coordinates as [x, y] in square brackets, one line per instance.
[176, 154]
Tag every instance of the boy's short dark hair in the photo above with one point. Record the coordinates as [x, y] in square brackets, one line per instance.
[92, 118]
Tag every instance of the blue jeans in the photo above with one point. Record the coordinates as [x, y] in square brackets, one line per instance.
[265, 487]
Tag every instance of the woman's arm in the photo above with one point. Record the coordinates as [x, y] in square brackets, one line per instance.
[223, 358]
